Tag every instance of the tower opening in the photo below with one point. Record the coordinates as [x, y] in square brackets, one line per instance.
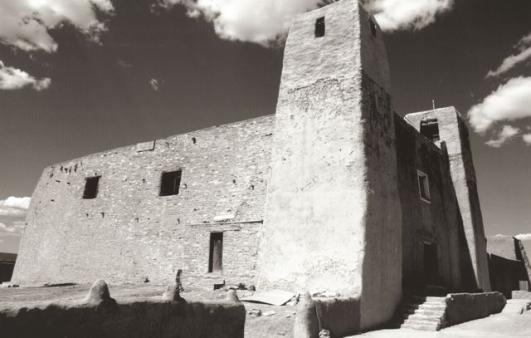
[430, 129]
[320, 27]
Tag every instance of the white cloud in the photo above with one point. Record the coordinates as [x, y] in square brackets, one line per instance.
[155, 85]
[14, 206]
[523, 237]
[511, 101]
[505, 134]
[6, 228]
[14, 78]
[524, 42]
[264, 21]
[524, 54]
[527, 139]
[395, 15]
[25, 23]
[14, 229]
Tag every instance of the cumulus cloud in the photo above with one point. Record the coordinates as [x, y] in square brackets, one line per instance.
[524, 53]
[14, 229]
[523, 237]
[504, 135]
[14, 78]
[395, 15]
[527, 139]
[510, 101]
[25, 24]
[154, 84]
[14, 206]
[264, 21]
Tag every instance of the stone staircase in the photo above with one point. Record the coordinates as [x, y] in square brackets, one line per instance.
[421, 313]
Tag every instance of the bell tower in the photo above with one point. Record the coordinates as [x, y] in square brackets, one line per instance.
[332, 216]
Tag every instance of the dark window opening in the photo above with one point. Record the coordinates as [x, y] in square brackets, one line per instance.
[424, 186]
[373, 27]
[430, 129]
[320, 27]
[170, 182]
[215, 259]
[91, 187]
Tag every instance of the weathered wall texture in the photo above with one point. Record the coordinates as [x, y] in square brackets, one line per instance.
[463, 307]
[310, 239]
[436, 222]
[454, 133]
[506, 274]
[129, 233]
[140, 319]
[523, 250]
[507, 266]
[334, 167]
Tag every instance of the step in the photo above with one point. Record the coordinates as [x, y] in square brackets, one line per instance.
[423, 299]
[421, 320]
[428, 307]
[429, 314]
[434, 324]
[420, 327]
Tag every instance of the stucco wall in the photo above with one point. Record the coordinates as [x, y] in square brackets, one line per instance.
[129, 233]
[332, 217]
[454, 133]
[311, 239]
[463, 307]
[437, 221]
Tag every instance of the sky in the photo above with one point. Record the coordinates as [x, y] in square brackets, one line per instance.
[83, 76]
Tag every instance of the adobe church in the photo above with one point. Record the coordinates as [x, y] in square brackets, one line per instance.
[335, 192]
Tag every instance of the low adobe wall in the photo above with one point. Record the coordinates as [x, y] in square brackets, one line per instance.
[462, 307]
[168, 317]
[519, 294]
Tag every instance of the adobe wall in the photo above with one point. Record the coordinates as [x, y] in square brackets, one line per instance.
[437, 221]
[131, 234]
[523, 246]
[506, 274]
[462, 307]
[129, 319]
[311, 241]
[332, 220]
[453, 131]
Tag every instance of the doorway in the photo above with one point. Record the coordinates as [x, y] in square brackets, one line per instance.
[431, 264]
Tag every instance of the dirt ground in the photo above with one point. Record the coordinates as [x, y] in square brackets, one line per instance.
[494, 326]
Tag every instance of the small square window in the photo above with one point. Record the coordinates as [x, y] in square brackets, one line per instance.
[424, 186]
[170, 182]
[320, 27]
[91, 187]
